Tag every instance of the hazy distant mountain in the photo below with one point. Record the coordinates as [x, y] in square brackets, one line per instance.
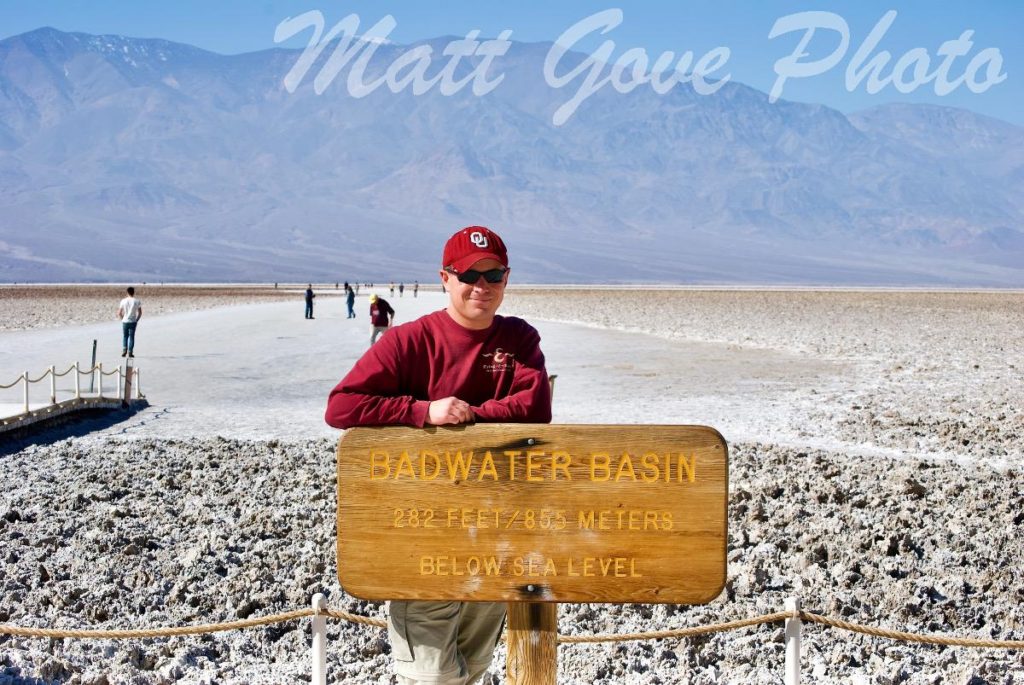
[131, 159]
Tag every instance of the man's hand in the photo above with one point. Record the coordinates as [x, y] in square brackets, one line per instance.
[449, 410]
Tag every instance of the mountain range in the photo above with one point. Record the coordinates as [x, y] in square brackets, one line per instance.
[125, 159]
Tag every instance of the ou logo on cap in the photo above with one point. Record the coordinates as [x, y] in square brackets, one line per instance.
[478, 239]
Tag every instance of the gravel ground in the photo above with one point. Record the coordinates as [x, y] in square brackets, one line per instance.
[132, 534]
[918, 529]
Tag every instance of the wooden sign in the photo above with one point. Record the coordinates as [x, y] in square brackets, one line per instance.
[533, 512]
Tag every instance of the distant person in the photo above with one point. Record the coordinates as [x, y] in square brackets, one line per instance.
[381, 316]
[415, 288]
[350, 300]
[443, 369]
[392, 288]
[309, 301]
[401, 289]
[130, 311]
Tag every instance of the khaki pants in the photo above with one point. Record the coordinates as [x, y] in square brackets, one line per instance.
[443, 643]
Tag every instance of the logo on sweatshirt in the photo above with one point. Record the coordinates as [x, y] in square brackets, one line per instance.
[499, 360]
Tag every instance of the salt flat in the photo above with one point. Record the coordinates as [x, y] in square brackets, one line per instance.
[924, 374]
[262, 371]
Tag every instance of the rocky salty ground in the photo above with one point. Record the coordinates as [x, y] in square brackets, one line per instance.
[125, 534]
[911, 521]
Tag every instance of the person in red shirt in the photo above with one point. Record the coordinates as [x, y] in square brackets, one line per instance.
[381, 316]
[461, 364]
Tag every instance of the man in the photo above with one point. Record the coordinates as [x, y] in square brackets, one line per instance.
[381, 316]
[309, 301]
[129, 311]
[350, 300]
[461, 364]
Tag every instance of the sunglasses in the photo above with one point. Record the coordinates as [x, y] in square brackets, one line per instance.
[472, 276]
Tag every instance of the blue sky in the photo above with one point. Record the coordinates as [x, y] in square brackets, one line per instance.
[234, 26]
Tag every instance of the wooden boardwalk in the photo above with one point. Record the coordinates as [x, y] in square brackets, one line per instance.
[64, 402]
[46, 412]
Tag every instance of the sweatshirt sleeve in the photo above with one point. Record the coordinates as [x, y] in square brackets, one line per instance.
[369, 394]
[529, 398]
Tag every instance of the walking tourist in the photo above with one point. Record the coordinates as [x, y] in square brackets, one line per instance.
[130, 311]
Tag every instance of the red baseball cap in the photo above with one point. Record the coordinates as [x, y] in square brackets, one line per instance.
[470, 245]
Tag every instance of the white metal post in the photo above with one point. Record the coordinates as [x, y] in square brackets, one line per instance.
[53, 384]
[99, 377]
[138, 384]
[319, 640]
[26, 391]
[117, 388]
[793, 629]
[78, 383]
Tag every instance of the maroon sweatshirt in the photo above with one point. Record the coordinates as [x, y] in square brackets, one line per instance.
[499, 371]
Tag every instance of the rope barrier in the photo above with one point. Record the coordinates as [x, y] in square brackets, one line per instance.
[911, 637]
[61, 375]
[81, 372]
[679, 632]
[356, 618]
[155, 632]
[564, 639]
[51, 372]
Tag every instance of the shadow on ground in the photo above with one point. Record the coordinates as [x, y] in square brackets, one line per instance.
[18, 680]
[73, 425]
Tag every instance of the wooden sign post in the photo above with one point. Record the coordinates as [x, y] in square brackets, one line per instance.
[530, 514]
